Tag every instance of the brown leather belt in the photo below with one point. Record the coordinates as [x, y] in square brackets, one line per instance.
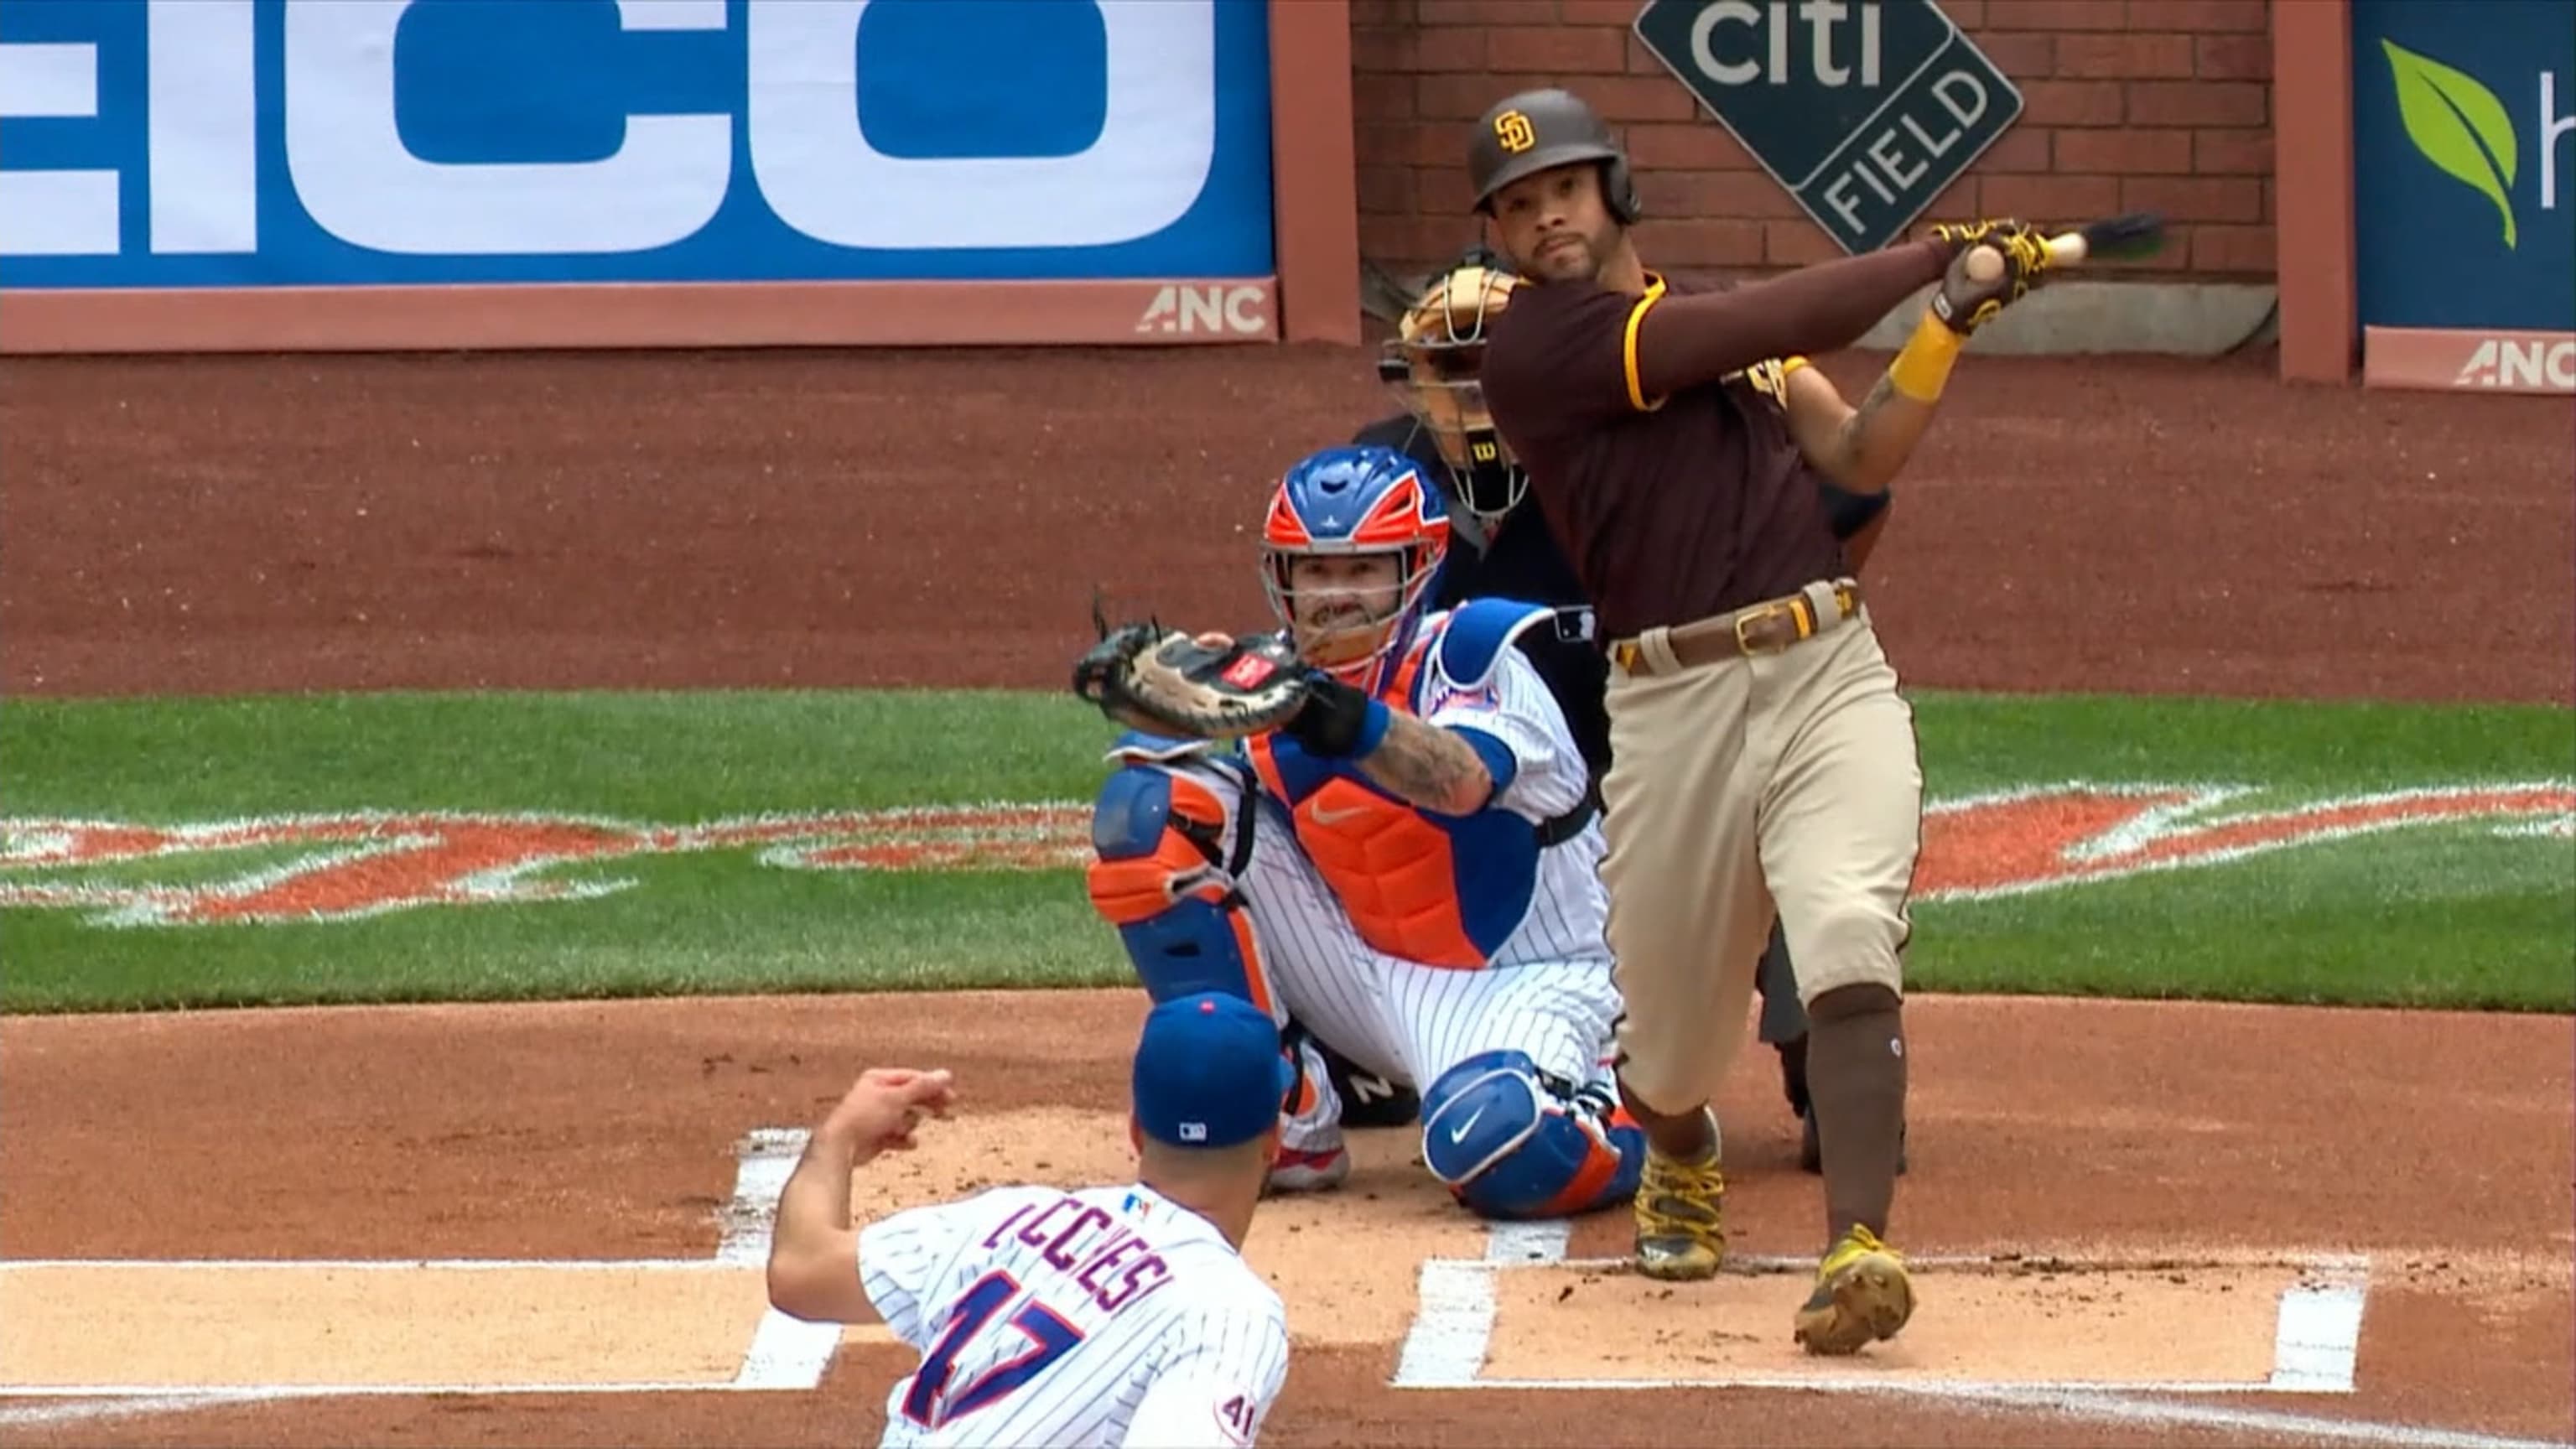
[1765, 628]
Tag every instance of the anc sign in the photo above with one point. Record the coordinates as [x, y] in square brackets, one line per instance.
[365, 863]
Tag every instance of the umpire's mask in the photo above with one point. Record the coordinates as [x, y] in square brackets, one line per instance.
[1432, 366]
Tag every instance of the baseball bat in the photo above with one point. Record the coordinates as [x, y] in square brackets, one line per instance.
[2136, 234]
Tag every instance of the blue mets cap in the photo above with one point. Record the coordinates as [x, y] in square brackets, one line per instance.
[1209, 1072]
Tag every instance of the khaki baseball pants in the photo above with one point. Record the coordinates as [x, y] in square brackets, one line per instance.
[1784, 781]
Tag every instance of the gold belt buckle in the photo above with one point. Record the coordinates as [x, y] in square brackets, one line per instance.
[1756, 616]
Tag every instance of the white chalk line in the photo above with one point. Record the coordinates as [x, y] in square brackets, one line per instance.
[2135, 1408]
[377, 1265]
[784, 1352]
[2333, 1266]
[2315, 1346]
[2316, 1342]
[1445, 1348]
[140, 1404]
[207, 1398]
[762, 1161]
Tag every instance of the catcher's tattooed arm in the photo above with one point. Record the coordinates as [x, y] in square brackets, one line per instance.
[1432, 767]
[1860, 448]
[1427, 765]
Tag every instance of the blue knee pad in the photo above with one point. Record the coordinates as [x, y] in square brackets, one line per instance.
[1512, 1141]
[1163, 875]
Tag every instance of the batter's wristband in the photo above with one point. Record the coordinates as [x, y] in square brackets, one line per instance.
[1923, 368]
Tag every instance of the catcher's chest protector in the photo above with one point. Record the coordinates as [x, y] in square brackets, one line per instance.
[1423, 888]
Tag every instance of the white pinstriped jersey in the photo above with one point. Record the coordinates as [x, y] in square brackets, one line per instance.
[1569, 912]
[1096, 1316]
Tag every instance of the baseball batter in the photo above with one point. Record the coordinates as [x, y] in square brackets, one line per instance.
[1500, 549]
[1409, 867]
[1119, 1315]
[1763, 759]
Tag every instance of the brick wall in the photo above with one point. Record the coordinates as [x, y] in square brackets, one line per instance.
[2160, 105]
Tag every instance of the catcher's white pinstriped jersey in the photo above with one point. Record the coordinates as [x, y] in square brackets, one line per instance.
[1548, 988]
[1461, 892]
[1568, 916]
[1097, 1316]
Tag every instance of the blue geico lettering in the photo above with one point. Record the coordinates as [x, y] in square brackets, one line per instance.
[285, 142]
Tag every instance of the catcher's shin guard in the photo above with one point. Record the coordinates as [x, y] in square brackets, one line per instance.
[1168, 841]
[1512, 1141]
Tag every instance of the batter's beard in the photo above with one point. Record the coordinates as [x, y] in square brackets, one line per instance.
[1577, 262]
[1565, 259]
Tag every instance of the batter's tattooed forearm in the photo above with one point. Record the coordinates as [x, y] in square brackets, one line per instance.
[1856, 427]
[1878, 437]
[1429, 766]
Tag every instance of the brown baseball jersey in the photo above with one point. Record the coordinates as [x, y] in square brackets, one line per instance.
[1672, 507]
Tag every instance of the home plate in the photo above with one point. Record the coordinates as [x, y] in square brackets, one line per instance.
[2054, 1324]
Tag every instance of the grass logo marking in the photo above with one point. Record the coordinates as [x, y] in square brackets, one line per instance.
[358, 864]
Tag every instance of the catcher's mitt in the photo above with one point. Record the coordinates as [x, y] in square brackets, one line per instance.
[1165, 682]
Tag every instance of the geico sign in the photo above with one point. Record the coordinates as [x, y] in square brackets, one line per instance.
[2503, 362]
[812, 163]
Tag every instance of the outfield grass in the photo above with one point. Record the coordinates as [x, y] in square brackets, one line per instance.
[2442, 915]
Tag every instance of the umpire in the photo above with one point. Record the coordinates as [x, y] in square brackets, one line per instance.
[1766, 762]
[1500, 549]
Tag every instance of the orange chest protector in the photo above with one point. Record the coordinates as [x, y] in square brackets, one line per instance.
[1393, 869]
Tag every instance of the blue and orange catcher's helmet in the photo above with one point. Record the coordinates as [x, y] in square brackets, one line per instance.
[1353, 502]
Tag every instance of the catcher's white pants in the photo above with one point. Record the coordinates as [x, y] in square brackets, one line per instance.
[1400, 1019]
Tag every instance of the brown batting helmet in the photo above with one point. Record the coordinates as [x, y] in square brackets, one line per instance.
[1534, 131]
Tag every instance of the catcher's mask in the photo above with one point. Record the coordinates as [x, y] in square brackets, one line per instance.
[1432, 366]
[1353, 503]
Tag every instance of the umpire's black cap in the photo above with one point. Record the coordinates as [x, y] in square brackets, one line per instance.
[1534, 131]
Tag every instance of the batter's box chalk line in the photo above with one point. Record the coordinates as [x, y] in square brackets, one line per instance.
[784, 1353]
[2316, 1338]
[2315, 1342]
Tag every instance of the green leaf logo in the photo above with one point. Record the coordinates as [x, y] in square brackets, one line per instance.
[2457, 123]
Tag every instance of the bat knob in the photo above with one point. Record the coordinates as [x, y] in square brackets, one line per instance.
[1984, 263]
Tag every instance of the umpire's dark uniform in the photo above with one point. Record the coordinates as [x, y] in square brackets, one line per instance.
[1522, 561]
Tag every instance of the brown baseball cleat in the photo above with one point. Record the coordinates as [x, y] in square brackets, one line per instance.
[1862, 1294]
[1681, 1220]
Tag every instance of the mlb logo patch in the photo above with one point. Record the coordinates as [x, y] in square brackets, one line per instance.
[1194, 1132]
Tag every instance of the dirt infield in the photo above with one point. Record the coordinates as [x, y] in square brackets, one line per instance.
[2189, 1137]
[258, 524]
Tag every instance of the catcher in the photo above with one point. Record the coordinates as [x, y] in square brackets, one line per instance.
[1377, 822]
[1501, 548]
